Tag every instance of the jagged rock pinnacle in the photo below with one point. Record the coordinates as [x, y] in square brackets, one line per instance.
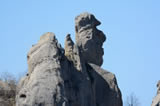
[71, 76]
[89, 38]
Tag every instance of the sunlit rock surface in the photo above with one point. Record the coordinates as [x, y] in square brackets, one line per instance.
[71, 76]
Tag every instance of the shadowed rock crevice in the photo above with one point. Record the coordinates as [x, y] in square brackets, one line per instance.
[71, 76]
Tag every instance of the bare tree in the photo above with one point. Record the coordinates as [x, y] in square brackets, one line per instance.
[132, 100]
[8, 78]
[8, 88]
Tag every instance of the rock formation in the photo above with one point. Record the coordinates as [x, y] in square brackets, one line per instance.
[71, 76]
[156, 100]
[88, 37]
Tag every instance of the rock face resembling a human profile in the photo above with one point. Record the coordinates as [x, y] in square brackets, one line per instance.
[71, 76]
[89, 39]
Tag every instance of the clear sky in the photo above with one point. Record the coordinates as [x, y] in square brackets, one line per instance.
[132, 27]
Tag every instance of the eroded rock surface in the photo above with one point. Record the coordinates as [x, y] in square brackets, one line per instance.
[71, 76]
[89, 39]
[156, 100]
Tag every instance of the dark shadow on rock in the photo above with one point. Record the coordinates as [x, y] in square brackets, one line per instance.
[104, 94]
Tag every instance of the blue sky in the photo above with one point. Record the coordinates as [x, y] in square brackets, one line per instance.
[132, 27]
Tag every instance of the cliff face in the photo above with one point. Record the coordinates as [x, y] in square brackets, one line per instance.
[70, 76]
[156, 100]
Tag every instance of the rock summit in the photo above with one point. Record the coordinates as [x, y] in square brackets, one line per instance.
[71, 76]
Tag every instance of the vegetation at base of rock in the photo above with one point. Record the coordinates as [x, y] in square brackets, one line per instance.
[8, 83]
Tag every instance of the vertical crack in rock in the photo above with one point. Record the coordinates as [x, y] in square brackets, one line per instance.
[71, 76]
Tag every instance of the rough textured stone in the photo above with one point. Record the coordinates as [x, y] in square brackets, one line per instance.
[69, 77]
[69, 46]
[42, 87]
[72, 53]
[156, 100]
[105, 87]
[89, 38]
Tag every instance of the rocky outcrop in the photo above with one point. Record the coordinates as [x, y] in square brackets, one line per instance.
[71, 76]
[156, 100]
[89, 39]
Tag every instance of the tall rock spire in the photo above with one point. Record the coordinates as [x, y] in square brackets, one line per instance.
[71, 76]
